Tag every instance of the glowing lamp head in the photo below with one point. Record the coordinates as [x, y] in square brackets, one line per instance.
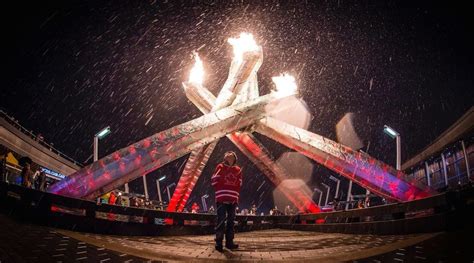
[104, 132]
[197, 72]
[285, 84]
[245, 43]
[390, 132]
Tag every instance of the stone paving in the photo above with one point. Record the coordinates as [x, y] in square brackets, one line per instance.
[276, 244]
[31, 243]
[20, 242]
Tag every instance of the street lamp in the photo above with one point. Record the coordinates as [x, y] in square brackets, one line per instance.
[99, 136]
[204, 204]
[168, 190]
[349, 194]
[327, 193]
[159, 190]
[320, 195]
[145, 187]
[395, 135]
[337, 185]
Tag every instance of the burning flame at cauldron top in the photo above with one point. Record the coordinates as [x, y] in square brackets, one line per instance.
[197, 72]
[245, 43]
[285, 84]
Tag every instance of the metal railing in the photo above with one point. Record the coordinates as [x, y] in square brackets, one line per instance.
[425, 215]
[35, 137]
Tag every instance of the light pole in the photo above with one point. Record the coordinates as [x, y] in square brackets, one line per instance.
[168, 190]
[320, 195]
[349, 194]
[159, 190]
[337, 185]
[395, 135]
[145, 187]
[327, 193]
[204, 204]
[99, 136]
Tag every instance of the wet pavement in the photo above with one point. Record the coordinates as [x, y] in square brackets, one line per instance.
[31, 243]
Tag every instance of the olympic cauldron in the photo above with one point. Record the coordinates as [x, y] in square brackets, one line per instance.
[237, 112]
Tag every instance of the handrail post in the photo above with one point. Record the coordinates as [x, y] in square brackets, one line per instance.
[468, 170]
[445, 170]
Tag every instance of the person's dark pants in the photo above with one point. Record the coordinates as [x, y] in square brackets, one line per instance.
[225, 212]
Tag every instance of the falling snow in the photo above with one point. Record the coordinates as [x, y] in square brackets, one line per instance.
[76, 69]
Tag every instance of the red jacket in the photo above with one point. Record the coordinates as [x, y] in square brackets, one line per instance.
[227, 181]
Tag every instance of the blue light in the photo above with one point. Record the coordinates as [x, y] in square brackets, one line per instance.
[53, 173]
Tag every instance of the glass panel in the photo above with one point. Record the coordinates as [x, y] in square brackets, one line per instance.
[437, 179]
[471, 162]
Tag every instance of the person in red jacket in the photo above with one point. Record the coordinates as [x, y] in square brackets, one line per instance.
[195, 208]
[226, 180]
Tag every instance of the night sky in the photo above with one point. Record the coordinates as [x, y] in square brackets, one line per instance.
[74, 67]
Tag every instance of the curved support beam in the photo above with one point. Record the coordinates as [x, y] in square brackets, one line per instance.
[368, 172]
[155, 151]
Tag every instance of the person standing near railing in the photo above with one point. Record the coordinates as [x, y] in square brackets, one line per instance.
[40, 181]
[26, 176]
[227, 181]
[195, 208]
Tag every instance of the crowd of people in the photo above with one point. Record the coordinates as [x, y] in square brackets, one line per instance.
[30, 179]
[37, 180]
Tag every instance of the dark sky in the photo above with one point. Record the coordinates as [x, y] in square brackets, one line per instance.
[74, 67]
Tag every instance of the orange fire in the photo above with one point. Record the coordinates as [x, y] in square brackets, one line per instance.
[285, 84]
[245, 43]
[196, 75]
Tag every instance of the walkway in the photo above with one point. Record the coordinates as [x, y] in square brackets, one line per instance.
[30, 243]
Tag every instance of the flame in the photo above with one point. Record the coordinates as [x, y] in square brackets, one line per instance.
[245, 43]
[196, 75]
[285, 84]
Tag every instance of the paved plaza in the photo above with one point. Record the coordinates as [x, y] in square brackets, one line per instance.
[31, 243]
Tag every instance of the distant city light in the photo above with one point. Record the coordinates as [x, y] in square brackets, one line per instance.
[52, 173]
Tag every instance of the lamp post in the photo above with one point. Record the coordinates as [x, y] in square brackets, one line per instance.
[327, 193]
[145, 187]
[204, 204]
[395, 135]
[168, 191]
[337, 185]
[99, 136]
[320, 195]
[349, 194]
[159, 190]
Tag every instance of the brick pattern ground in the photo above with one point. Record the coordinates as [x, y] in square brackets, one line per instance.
[21, 242]
[31, 243]
[273, 244]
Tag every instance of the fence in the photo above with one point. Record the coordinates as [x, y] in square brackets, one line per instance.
[37, 138]
[436, 213]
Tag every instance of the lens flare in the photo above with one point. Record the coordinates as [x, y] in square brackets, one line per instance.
[245, 43]
[197, 72]
[285, 84]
